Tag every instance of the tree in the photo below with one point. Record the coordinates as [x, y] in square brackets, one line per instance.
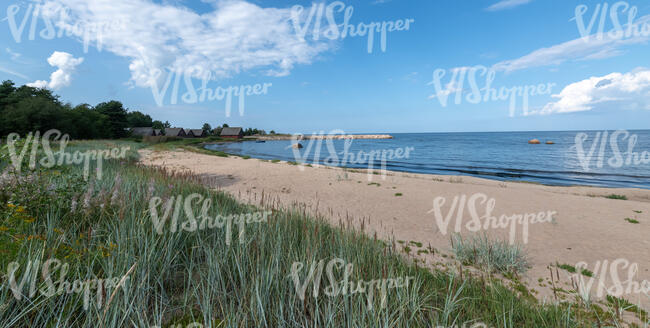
[88, 123]
[33, 114]
[252, 132]
[207, 128]
[116, 115]
[218, 129]
[272, 131]
[26, 109]
[138, 119]
[6, 90]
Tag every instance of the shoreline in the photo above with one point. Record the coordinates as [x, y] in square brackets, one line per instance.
[321, 137]
[587, 227]
[484, 177]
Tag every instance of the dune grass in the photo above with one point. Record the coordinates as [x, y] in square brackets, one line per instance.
[571, 269]
[494, 255]
[103, 228]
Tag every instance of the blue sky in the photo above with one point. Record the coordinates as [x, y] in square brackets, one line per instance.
[599, 82]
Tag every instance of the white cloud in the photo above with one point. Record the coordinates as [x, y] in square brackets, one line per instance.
[8, 71]
[14, 55]
[236, 36]
[507, 4]
[600, 46]
[62, 77]
[613, 91]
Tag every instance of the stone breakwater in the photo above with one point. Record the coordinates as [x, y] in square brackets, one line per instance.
[323, 137]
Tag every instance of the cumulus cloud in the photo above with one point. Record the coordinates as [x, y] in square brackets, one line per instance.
[594, 46]
[613, 91]
[62, 77]
[234, 37]
[507, 4]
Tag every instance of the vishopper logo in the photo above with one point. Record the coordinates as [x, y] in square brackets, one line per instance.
[176, 207]
[609, 279]
[603, 140]
[50, 160]
[56, 23]
[336, 31]
[476, 93]
[61, 286]
[634, 28]
[344, 286]
[203, 93]
[487, 220]
[346, 156]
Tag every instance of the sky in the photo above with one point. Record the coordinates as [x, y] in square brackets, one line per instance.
[305, 67]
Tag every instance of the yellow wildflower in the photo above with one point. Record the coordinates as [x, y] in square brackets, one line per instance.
[30, 219]
[57, 230]
[20, 209]
[4, 229]
[10, 205]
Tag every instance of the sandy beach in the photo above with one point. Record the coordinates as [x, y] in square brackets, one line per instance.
[586, 226]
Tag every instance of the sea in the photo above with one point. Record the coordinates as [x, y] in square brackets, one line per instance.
[586, 158]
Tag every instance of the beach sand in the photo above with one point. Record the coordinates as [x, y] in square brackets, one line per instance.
[587, 227]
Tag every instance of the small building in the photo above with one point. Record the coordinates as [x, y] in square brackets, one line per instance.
[236, 133]
[175, 132]
[196, 133]
[143, 131]
[158, 132]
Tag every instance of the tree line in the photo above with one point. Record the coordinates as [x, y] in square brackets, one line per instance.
[26, 109]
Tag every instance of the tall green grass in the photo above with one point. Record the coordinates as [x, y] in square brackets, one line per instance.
[103, 228]
[492, 254]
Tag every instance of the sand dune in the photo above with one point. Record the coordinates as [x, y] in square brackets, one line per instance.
[586, 226]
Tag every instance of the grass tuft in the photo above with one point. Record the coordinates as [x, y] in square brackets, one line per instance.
[615, 196]
[493, 255]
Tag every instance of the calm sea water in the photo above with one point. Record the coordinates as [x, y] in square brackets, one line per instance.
[493, 155]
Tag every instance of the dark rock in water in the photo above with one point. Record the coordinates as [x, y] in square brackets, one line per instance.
[534, 142]
[296, 146]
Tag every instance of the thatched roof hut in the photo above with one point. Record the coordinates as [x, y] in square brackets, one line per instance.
[143, 131]
[196, 133]
[237, 133]
[175, 132]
